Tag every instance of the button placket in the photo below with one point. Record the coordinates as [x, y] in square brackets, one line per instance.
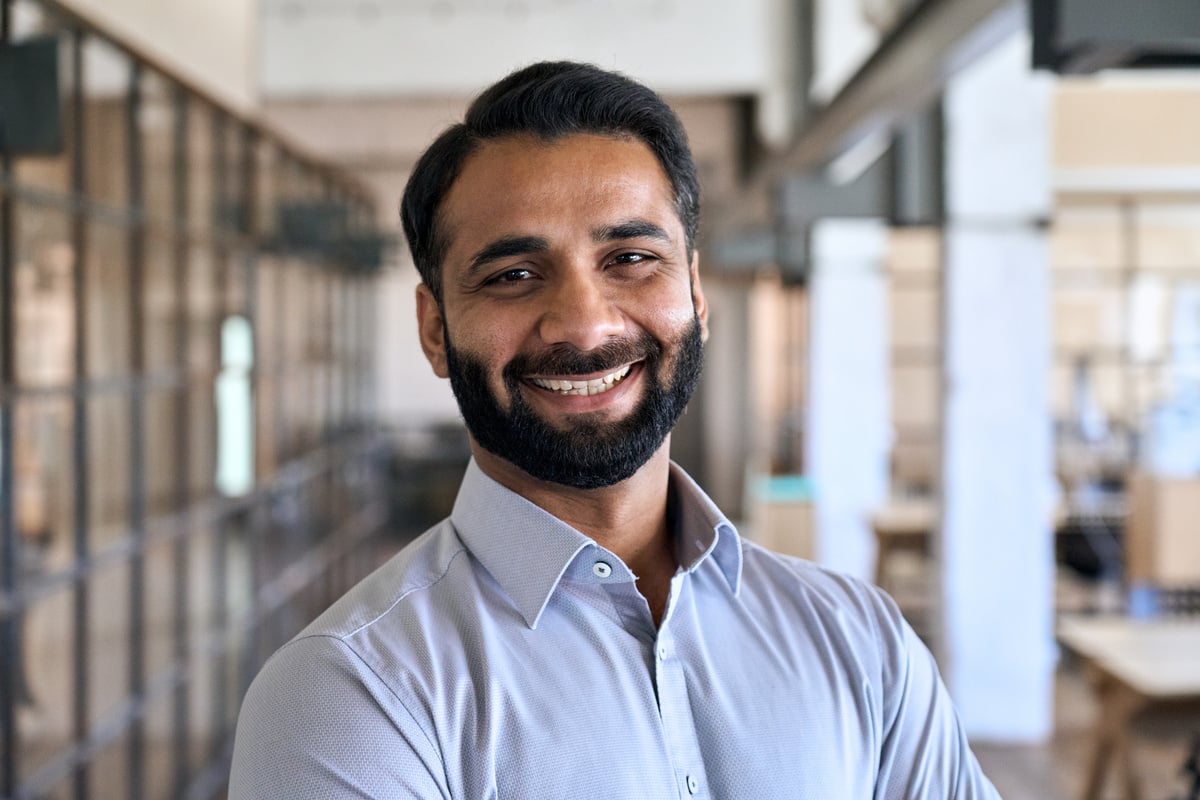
[679, 725]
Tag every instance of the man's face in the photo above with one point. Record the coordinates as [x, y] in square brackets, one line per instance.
[572, 320]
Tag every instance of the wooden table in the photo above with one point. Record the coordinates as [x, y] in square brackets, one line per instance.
[1132, 664]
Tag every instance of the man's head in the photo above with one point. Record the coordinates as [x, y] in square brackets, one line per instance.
[547, 101]
[560, 290]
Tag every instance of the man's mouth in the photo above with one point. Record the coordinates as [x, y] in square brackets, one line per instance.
[599, 385]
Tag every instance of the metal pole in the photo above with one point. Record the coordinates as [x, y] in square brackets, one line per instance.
[220, 554]
[181, 547]
[137, 454]
[10, 644]
[79, 241]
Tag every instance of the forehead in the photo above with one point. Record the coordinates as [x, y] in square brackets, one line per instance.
[525, 185]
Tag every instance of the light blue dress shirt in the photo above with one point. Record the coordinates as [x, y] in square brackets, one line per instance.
[504, 654]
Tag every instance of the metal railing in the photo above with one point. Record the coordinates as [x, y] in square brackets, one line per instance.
[139, 589]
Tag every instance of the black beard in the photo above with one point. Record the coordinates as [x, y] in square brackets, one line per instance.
[591, 454]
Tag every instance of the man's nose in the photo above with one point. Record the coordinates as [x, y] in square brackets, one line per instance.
[581, 313]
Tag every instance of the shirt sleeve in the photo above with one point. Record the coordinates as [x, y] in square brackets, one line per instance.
[925, 753]
[318, 722]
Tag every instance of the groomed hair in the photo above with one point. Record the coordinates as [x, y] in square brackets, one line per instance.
[549, 100]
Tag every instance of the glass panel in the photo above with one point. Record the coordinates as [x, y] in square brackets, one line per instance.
[294, 358]
[161, 302]
[109, 773]
[317, 353]
[44, 514]
[46, 699]
[338, 355]
[106, 85]
[267, 190]
[159, 756]
[266, 418]
[44, 298]
[156, 128]
[107, 289]
[202, 309]
[227, 206]
[202, 427]
[109, 468]
[203, 595]
[43, 486]
[161, 424]
[267, 311]
[108, 652]
[160, 607]
[233, 299]
[200, 177]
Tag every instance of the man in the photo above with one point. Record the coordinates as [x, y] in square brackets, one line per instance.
[587, 622]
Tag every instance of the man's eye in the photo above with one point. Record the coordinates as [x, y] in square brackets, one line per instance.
[631, 258]
[511, 276]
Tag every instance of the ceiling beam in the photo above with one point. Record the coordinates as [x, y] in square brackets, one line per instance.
[910, 68]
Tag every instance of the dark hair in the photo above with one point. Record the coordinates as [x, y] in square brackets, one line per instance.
[550, 100]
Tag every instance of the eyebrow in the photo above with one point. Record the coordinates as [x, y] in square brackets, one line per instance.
[506, 247]
[633, 229]
[509, 246]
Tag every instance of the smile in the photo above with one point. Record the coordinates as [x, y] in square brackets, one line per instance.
[583, 388]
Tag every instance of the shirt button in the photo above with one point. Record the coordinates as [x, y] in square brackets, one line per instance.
[662, 652]
[692, 784]
[601, 569]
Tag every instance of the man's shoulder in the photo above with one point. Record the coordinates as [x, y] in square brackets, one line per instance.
[820, 594]
[385, 627]
[404, 580]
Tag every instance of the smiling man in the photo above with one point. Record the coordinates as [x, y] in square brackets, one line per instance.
[587, 622]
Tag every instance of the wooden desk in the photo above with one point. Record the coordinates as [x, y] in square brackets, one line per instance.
[1132, 665]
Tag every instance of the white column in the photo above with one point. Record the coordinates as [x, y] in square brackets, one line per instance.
[996, 548]
[848, 431]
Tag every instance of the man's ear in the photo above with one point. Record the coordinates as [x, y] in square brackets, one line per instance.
[432, 329]
[699, 302]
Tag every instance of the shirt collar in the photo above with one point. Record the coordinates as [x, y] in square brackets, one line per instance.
[703, 529]
[528, 550]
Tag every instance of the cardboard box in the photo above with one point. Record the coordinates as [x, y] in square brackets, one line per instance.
[1162, 538]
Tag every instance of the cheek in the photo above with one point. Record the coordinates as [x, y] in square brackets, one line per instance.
[671, 319]
[494, 353]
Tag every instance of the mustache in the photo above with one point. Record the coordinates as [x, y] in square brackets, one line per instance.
[565, 359]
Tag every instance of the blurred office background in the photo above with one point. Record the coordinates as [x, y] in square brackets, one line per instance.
[952, 253]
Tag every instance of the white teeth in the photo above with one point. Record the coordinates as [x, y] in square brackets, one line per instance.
[581, 388]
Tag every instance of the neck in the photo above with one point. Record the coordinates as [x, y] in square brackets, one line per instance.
[628, 518]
